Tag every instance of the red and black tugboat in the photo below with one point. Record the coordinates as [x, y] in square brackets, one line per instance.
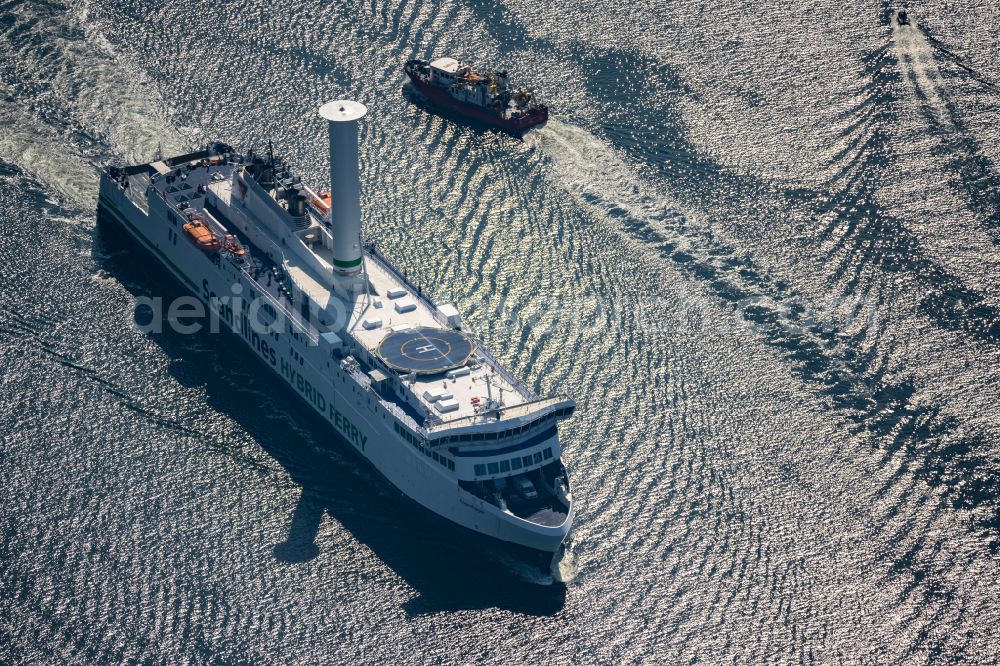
[486, 97]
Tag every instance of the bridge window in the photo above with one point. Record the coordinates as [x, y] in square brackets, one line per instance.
[504, 465]
[515, 463]
[538, 457]
[480, 470]
[547, 453]
[526, 460]
[436, 458]
[451, 464]
[493, 467]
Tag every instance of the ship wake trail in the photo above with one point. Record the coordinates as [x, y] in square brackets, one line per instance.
[831, 345]
[594, 174]
[70, 102]
[974, 174]
[44, 152]
[916, 58]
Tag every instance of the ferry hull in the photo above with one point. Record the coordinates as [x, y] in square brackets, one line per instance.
[370, 434]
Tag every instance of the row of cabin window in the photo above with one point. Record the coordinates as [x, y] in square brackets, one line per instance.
[443, 460]
[480, 436]
[513, 464]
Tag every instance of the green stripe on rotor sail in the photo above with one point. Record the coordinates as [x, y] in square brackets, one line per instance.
[347, 264]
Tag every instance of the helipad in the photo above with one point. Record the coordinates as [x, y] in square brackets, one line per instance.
[425, 350]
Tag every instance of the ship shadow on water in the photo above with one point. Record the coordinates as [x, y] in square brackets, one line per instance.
[449, 568]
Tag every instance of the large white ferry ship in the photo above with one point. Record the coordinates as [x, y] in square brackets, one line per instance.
[392, 372]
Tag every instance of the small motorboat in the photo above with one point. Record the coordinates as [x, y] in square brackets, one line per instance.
[481, 96]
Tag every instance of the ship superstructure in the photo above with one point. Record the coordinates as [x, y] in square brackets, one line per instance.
[486, 96]
[393, 372]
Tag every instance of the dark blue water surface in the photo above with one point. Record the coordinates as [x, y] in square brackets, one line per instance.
[757, 242]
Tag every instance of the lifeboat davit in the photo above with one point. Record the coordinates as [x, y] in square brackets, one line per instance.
[232, 245]
[202, 236]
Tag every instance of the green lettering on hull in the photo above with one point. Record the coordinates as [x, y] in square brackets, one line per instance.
[316, 398]
[305, 389]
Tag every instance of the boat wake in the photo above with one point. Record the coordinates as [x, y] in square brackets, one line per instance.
[920, 58]
[43, 152]
[916, 56]
[598, 178]
[70, 103]
[562, 569]
[565, 567]
[605, 185]
[823, 337]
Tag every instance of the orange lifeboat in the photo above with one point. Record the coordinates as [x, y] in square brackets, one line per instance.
[202, 236]
[322, 201]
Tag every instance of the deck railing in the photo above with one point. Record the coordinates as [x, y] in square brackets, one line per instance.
[312, 335]
[504, 413]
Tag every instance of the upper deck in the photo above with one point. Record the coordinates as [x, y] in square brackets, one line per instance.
[443, 376]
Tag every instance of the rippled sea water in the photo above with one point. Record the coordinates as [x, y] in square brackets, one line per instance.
[757, 243]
